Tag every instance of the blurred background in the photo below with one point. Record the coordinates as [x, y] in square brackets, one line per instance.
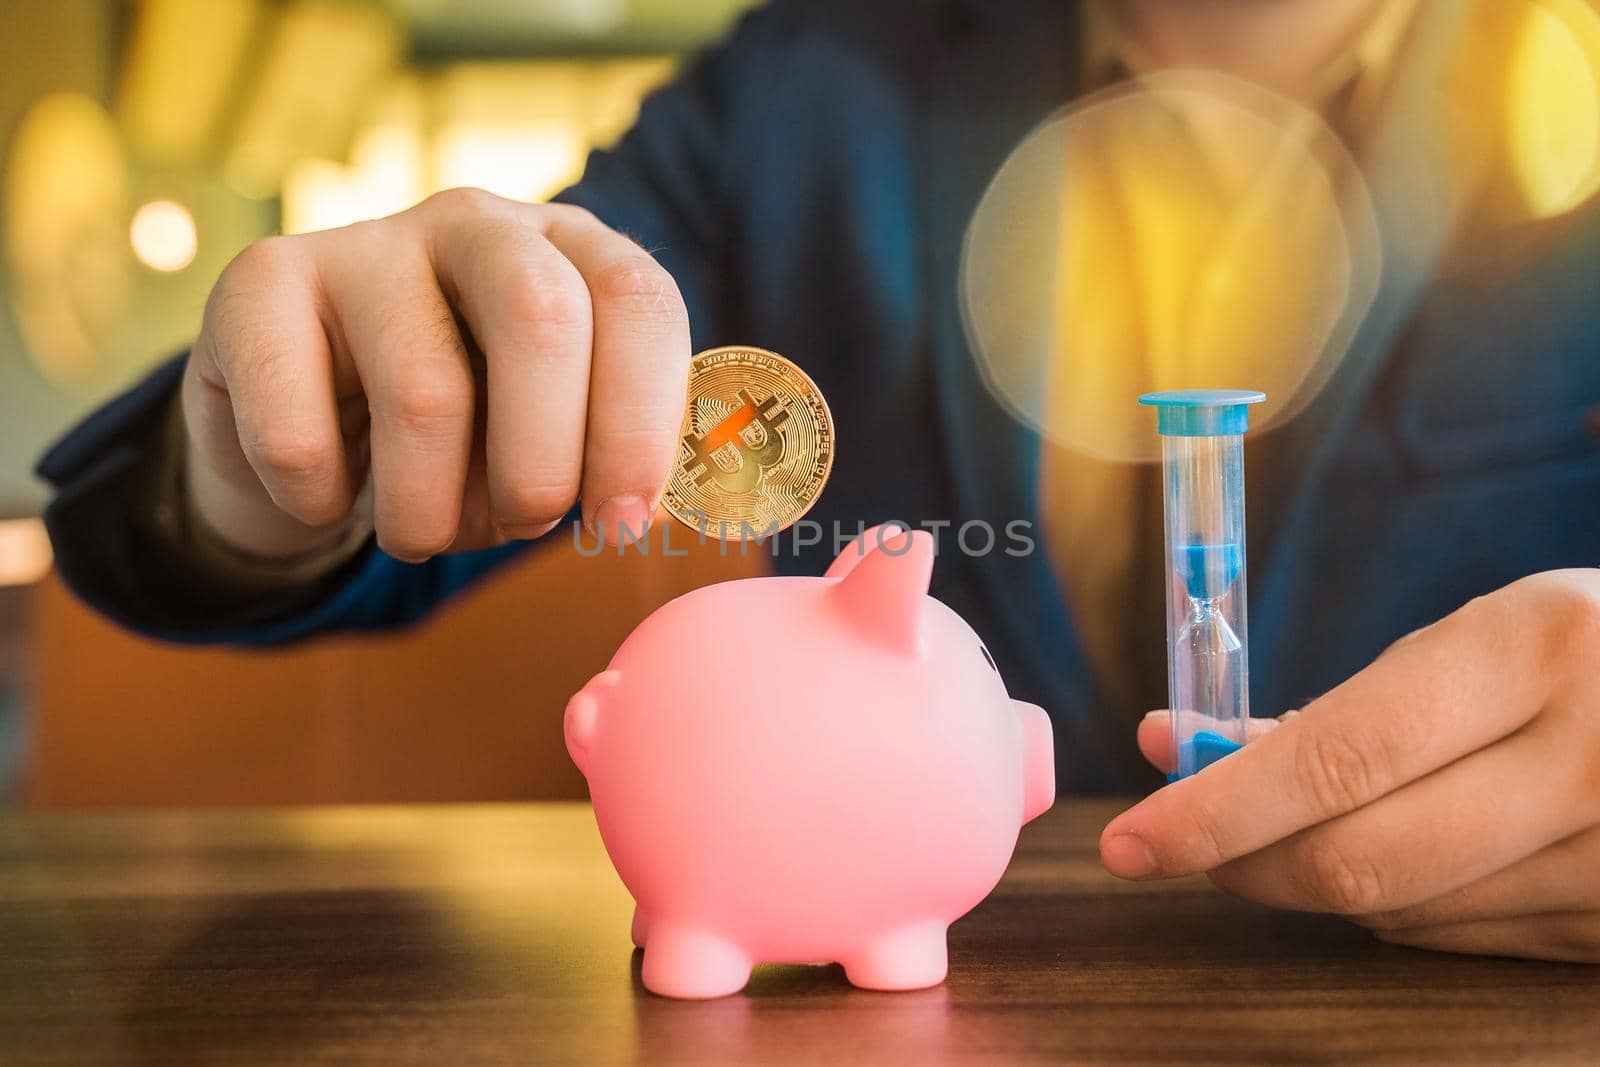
[145, 142]
[142, 144]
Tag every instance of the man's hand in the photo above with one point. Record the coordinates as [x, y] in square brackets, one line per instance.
[1447, 796]
[488, 363]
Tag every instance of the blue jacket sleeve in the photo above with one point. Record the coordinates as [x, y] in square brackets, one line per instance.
[666, 185]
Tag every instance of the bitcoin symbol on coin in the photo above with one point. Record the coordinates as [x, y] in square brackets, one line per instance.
[756, 447]
[749, 460]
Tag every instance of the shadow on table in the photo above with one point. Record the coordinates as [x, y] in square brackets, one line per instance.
[788, 1012]
[298, 977]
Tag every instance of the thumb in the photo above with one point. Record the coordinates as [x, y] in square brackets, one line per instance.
[1155, 734]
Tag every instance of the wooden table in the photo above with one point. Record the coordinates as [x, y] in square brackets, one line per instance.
[499, 934]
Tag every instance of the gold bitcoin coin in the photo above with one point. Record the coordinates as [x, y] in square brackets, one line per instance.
[757, 445]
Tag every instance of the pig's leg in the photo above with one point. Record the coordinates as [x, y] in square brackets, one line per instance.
[912, 957]
[640, 925]
[683, 962]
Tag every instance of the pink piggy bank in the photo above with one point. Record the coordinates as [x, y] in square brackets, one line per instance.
[808, 770]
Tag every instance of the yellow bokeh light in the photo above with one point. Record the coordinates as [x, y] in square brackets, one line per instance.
[173, 95]
[1185, 231]
[520, 130]
[1553, 106]
[24, 551]
[309, 81]
[1524, 113]
[163, 235]
[66, 187]
[524, 161]
[384, 177]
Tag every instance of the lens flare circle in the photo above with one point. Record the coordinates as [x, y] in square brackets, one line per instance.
[1185, 230]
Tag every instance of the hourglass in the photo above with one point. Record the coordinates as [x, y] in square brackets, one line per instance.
[1208, 675]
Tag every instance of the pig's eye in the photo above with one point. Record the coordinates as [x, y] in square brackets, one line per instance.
[988, 658]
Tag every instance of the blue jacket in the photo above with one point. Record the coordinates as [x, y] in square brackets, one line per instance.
[808, 184]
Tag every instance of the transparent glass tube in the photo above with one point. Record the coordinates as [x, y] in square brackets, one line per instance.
[1208, 669]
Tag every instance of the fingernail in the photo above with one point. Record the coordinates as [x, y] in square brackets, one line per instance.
[622, 518]
[1152, 714]
[514, 532]
[1127, 856]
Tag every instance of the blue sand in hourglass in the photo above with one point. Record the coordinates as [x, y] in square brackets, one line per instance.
[1204, 749]
[1208, 573]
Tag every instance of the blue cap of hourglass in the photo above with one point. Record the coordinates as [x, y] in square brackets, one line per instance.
[1202, 412]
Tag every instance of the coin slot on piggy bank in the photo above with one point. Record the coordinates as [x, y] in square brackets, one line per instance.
[837, 785]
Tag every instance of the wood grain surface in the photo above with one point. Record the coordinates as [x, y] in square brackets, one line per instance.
[498, 934]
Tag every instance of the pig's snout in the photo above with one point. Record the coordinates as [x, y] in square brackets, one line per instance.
[1038, 760]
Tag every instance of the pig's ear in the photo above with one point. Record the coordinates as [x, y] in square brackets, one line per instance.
[883, 592]
[856, 550]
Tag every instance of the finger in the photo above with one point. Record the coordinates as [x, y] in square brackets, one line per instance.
[1155, 735]
[413, 367]
[1558, 878]
[269, 351]
[529, 310]
[476, 530]
[639, 378]
[1572, 937]
[1477, 816]
[1453, 689]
